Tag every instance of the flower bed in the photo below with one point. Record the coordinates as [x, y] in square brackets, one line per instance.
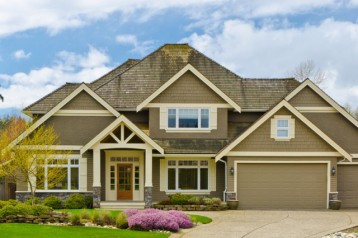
[213, 207]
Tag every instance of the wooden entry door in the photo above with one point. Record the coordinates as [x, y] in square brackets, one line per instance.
[125, 181]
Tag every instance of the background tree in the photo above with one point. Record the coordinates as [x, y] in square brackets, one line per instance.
[308, 69]
[350, 109]
[25, 162]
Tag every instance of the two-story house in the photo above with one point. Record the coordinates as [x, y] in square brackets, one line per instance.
[177, 121]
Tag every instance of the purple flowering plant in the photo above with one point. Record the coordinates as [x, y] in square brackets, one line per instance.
[154, 219]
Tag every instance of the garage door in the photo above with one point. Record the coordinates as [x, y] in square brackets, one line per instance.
[348, 185]
[282, 186]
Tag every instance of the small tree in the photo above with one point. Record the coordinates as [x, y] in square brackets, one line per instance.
[350, 109]
[24, 162]
[308, 69]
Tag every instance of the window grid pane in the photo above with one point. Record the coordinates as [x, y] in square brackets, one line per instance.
[188, 118]
[204, 118]
[172, 118]
[188, 179]
[171, 179]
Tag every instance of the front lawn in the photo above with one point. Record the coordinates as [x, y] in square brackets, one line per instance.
[200, 219]
[46, 231]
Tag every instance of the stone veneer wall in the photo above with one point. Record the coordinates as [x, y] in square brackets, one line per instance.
[24, 196]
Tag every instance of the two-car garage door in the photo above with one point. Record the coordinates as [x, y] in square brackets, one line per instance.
[282, 185]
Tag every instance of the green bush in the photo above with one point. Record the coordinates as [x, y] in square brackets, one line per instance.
[180, 199]
[20, 209]
[3, 204]
[216, 201]
[121, 221]
[75, 201]
[29, 202]
[13, 202]
[207, 201]
[195, 200]
[53, 202]
[75, 220]
[165, 202]
[89, 202]
[97, 219]
[38, 210]
[85, 215]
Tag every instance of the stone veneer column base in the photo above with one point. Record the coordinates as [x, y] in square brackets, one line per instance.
[148, 196]
[96, 197]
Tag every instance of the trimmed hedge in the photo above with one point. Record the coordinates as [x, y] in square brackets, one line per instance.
[53, 201]
[75, 201]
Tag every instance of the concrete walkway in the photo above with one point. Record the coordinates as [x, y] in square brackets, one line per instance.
[275, 224]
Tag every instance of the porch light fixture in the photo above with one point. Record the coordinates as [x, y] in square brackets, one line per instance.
[232, 170]
[333, 170]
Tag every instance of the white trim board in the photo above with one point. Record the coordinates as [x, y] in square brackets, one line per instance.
[185, 155]
[328, 99]
[83, 113]
[82, 87]
[355, 156]
[271, 113]
[187, 68]
[283, 154]
[286, 162]
[113, 126]
[317, 109]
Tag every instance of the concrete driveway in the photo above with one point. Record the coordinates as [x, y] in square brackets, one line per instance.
[252, 224]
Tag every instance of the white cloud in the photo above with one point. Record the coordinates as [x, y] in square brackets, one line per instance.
[56, 16]
[140, 47]
[21, 54]
[251, 51]
[26, 88]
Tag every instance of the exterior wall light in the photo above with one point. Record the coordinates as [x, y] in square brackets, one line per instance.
[333, 170]
[232, 170]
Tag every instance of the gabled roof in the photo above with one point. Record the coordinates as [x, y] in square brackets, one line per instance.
[49, 101]
[133, 82]
[328, 99]
[80, 88]
[201, 77]
[268, 115]
[113, 126]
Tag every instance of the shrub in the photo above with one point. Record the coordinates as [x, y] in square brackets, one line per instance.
[107, 218]
[195, 200]
[165, 202]
[36, 201]
[38, 210]
[85, 215]
[75, 220]
[3, 204]
[89, 202]
[97, 219]
[180, 199]
[153, 219]
[207, 201]
[13, 202]
[75, 201]
[121, 221]
[20, 209]
[216, 201]
[53, 202]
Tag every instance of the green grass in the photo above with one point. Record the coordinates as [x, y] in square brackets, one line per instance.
[200, 219]
[113, 213]
[46, 231]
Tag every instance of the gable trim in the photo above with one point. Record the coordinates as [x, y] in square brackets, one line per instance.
[190, 68]
[327, 98]
[268, 115]
[282, 154]
[82, 87]
[108, 130]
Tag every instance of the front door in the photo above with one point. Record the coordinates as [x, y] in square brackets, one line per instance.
[124, 183]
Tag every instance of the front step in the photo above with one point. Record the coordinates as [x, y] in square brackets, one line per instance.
[116, 205]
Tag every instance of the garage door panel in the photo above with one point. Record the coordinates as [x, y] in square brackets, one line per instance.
[348, 185]
[283, 186]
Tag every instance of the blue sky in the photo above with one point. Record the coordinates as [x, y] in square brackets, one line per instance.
[44, 44]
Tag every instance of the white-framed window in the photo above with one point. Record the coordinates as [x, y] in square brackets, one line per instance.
[70, 169]
[188, 118]
[188, 175]
[282, 128]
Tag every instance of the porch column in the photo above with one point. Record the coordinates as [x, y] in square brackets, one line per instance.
[148, 184]
[96, 177]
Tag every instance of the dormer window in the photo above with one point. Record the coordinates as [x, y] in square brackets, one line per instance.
[282, 128]
[188, 118]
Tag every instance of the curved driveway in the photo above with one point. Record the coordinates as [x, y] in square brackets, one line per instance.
[275, 224]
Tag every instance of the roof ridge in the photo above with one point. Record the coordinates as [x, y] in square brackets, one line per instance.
[270, 79]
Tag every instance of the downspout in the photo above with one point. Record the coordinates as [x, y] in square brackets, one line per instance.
[224, 193]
